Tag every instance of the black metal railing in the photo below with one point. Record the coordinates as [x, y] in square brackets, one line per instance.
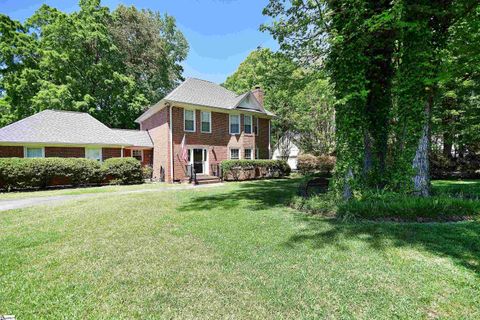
[191, 173]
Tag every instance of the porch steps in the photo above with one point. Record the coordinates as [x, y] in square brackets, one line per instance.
[204, 179]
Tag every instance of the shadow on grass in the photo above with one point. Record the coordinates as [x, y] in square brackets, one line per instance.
[262, 194]
[459, 241]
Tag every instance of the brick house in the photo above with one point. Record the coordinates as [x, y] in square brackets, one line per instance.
[194, 127]
[213, 123]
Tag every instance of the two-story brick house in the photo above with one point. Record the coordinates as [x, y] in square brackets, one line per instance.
[200, 124]
[197, 125]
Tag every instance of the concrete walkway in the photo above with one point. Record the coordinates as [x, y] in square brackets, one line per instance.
[56, 200]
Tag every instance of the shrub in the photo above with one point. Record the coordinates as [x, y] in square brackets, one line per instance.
[309, 164]
[19, 173]
[147, 172]
[123, 171]
[324, 204]
[254, 169]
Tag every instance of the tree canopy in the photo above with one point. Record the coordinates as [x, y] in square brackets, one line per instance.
[109, 64]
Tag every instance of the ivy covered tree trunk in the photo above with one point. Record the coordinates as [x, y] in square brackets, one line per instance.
[421, 179]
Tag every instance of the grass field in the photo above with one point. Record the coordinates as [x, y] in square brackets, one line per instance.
[235, 251]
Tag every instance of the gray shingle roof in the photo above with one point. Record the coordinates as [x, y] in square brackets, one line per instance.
[202, 93]
[205, 93]
[137, 138]
[61, 127]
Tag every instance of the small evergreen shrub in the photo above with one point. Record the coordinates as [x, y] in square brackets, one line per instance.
[123, 171]
[147, 172]
[254, 169]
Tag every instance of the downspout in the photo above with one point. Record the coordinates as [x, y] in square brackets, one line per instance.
[269, 134]
[122, 152]
[171, 142]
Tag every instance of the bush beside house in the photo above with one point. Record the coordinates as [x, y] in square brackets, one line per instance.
[238, 170]
[309, 164]
[24, 173]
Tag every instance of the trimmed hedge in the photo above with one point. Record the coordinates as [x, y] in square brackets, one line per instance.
[123, 171]
[254, 169]
[308, 163]
[21, 173]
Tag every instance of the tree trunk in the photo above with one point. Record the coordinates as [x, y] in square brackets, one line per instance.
[421, 180]
[347, 188]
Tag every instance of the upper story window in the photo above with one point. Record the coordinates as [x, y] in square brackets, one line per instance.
[34, 152]
[137, 154]
[206, 125]
[234, 124]
[234, 154]
[247, 124]
[93, 153]
[189, 117]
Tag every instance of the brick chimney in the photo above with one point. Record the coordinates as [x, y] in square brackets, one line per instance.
[259, 94]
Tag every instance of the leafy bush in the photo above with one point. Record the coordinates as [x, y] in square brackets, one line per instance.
[19, 173]
[308, 164]
[325, 204]
[123, 171]
[254, 169]
[147, 172]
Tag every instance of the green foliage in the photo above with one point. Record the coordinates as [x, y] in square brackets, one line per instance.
[23, 173]
[308, 164]
[392, 206]
[20, 173]
[123, 171]
[254, 169]
[91, 61]
[322, 204]
[147, 172]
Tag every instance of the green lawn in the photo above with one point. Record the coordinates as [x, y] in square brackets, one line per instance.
[236, 251]
[77, 191]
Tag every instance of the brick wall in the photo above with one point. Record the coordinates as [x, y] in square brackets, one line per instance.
[65, 152]
[147, 156]
[108, 153]
[219, 142]
[158, 128]
[11, 152]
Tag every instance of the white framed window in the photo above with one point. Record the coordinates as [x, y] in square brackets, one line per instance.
[247, 124]
[247, 153]
[137, 154]
[206, 121]
[189, 120]
[255, 128]
[234, 154]
[234, 124]
[93, 153]
[257, 153]
[34, 152]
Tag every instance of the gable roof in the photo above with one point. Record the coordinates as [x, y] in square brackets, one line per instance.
[57, 127]
[204, 93]
[137, 138]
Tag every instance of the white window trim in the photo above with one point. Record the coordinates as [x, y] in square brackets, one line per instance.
[230, 124]
[141, 152]
[210, 121]
[251, 153]
[257, 153]
[230, 153]
[194, 120]
[251, 123]
[36, 147]
[92, 148]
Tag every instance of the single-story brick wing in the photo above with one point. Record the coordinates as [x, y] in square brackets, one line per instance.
[195, 127]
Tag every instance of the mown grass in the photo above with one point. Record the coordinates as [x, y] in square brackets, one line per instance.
[78, 191]
[236, 251]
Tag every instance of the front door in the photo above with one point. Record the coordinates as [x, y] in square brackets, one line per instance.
[198, 160]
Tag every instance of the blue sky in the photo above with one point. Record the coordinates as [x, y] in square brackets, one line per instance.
[221, 33]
